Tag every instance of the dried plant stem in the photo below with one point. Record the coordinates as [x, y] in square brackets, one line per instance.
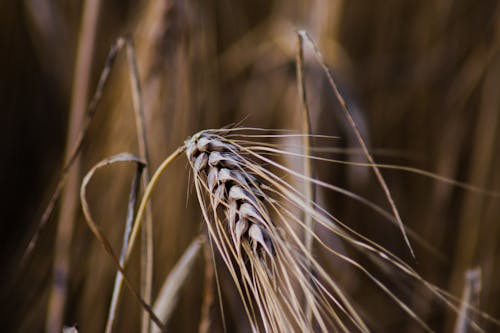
[100, 235]
[147, 195]
[360, 139]
[115, 298]
[309, 188]
[72, 156]
[69, 200]
[147, 231]
[167, 297]
[139, 217]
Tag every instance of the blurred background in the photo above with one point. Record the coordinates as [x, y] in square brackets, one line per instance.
[422, 79]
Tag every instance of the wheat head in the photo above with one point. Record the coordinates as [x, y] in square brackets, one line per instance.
[258, 239]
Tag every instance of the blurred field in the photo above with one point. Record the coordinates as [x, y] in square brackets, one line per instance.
[422, 79]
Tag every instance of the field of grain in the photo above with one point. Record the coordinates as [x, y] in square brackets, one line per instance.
[420, 81]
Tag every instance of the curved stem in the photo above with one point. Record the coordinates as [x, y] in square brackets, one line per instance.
[147, 194]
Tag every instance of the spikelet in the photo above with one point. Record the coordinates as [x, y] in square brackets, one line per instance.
[235, 191]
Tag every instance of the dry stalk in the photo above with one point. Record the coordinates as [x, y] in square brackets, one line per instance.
[147, 231]
[72, 155]
[96, 230]
[69, 202]
[309, 189]
[115, 298]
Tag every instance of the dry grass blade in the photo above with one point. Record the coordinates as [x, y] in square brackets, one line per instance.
[360, 139]
[100, 235]
[76, 148]
[146, 197]
[167, 297]
[307, 132]
[309, 187]
[115, 298]
[69, 200]
[147, 233]
[73, 155]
